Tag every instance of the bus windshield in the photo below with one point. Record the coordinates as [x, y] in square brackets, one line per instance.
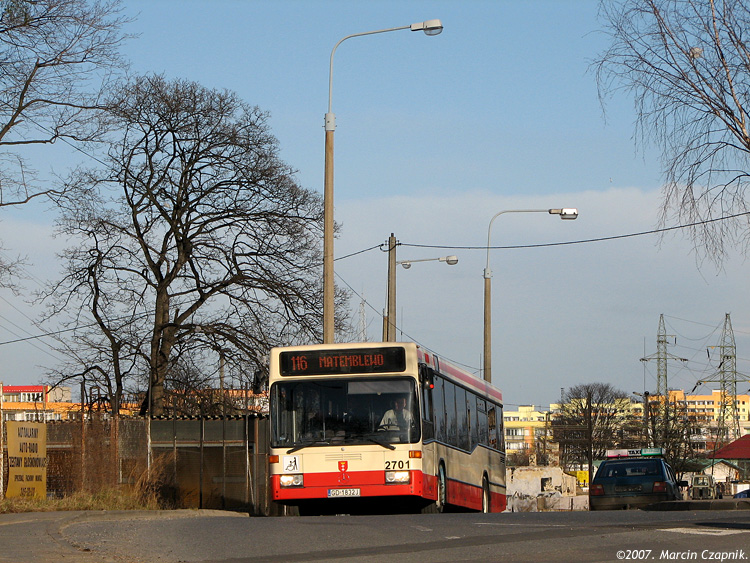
[321, 412]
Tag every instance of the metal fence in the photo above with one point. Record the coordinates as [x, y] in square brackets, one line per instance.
[213, 462]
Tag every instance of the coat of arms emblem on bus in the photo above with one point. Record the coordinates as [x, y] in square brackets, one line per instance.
[343, 466]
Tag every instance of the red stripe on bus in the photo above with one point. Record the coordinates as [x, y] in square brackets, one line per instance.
[370, 484]
[470, 496]
[472, 381]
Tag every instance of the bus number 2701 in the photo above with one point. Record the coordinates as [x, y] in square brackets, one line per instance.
[399, 464]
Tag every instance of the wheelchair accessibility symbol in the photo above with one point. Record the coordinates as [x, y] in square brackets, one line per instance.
[291, 463]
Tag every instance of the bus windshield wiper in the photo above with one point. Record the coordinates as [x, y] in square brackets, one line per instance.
[307, 444]
[386, 445]
[380, 443]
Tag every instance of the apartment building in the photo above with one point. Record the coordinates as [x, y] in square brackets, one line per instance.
[37, 403]
[528, 430]
[704, 411]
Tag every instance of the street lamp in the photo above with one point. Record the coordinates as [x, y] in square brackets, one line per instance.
[564, 214]
[430, 27]
[389, 320]
[450, 260]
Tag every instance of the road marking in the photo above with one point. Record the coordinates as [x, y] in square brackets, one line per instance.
[704, 532]
[521, 525]
[423, 529]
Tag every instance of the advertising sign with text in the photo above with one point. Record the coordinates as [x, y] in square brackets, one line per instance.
[27, 459]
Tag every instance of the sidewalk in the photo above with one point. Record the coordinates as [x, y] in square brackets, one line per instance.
[712, 504]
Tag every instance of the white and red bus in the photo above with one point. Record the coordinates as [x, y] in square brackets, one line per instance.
[382, 426]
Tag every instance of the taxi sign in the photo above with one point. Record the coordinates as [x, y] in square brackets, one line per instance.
[640, 452]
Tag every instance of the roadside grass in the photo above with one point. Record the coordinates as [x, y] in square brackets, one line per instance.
[106, 499]
[151, 490]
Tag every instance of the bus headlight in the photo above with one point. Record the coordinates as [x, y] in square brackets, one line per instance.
[397, 477]
[291, 480]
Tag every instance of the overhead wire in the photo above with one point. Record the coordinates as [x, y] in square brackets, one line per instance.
[384, 247]
[580, 241]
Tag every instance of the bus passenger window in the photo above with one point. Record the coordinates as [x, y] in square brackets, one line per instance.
[492, 419]
[473, 401]
[462, 415]
[428, 424]
[438, 408]
[450, 413]
[482, 428]
[427, 384]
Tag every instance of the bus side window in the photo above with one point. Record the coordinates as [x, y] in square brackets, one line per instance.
[463, 413]
[492, 419]
[500, 431]
[438, 405]
[428, 426]
[479, 429]
[450, 413]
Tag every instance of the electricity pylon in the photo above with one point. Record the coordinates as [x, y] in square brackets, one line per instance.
[362, 320]
[728, 421]
[662, 387]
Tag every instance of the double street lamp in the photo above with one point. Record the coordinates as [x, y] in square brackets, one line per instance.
[564, 214]
[389, 319]
[430, 27]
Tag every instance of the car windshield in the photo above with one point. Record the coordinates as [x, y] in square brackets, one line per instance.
[321, 412]
[635, 468]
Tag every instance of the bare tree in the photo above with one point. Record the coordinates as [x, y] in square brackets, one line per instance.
[55, 58]
[687, 65]
[195, 237]
[592, 418]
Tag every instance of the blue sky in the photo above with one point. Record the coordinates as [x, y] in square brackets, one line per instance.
[434, 136]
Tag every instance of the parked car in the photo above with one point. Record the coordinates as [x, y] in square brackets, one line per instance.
[633, 482]
[743, 494]
[703, 487]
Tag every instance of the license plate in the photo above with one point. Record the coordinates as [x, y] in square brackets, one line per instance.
[336, 493]
[627, 488]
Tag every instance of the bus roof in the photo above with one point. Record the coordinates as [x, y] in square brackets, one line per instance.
[457, 375]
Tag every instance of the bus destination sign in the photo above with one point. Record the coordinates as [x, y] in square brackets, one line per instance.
[335, 362]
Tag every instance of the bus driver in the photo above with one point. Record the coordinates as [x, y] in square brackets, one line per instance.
[397, 418]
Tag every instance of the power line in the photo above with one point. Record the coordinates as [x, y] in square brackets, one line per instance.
[363, 300]
[581, 241]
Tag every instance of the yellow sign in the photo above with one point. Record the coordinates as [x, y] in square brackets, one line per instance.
[582, 478]
[27, 460]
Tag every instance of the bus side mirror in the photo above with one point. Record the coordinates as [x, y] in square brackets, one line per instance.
[427, 379]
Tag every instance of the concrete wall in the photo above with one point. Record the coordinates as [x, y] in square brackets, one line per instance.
[535, 489]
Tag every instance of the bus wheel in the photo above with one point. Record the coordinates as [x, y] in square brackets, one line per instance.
[486, 506]
[442, 495]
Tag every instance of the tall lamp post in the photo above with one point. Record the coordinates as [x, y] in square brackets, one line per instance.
[564, 214]
[389, 319]
[430, 27]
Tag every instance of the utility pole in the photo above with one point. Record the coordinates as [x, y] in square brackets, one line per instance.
[389, 323]
[590, 437]
[662, 386]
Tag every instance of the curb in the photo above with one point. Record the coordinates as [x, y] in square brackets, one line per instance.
[715, 504]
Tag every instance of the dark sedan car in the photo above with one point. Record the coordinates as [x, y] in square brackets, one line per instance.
[633, 482]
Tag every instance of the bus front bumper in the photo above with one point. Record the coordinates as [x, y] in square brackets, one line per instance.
[349, 485]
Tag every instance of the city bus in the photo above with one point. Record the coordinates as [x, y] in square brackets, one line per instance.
[385, 426]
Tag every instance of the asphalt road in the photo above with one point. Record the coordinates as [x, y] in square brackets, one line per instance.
[189, 536]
